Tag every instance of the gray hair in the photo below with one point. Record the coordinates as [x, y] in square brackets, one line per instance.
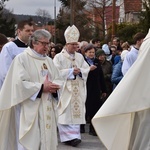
[89, 47]
[83, 44]
[37, 35]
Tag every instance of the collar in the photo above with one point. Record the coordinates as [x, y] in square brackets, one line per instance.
[136, 48]
[40, 55]
[19, 43]
[68, 55]
[91, 59]
[34, 54]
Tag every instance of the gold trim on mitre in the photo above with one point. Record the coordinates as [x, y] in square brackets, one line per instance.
[72, 34]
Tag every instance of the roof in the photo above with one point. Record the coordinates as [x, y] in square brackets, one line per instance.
[132, 5]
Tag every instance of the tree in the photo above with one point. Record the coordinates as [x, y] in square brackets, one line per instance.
[2, 4]
[125, 31]
[145, 16]
[102, 13]
[65, 3]
[81, 20]
[43, 15]
[97, 10]
[61, 24]
[7, 23]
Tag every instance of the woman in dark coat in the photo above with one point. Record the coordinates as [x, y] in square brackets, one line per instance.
[95, 85]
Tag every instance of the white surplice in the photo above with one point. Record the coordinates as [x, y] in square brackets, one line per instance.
[9, 51]
[123, 122]
[37, 122]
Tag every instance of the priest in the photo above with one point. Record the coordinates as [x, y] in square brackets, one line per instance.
[71, 106]
[28, 97]
[11, 49]
[123, 122]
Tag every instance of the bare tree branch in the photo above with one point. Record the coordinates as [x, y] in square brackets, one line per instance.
[43, 15]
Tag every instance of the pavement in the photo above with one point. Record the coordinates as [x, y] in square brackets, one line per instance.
[89, 142]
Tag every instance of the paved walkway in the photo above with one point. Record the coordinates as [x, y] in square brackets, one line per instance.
[89, 142]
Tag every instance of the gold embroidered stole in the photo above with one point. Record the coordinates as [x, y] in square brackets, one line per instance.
[76, 102]
[46, 111]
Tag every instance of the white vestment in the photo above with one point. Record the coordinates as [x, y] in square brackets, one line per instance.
[123, 122]
[9, 51]
[129, 60]
[69, 132]
[71, 106]
[37, 122]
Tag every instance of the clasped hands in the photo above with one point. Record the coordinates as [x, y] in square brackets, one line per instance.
[76, 71]
[49, 86]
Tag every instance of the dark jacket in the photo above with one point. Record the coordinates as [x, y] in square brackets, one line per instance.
[107, 71]
[95, 86]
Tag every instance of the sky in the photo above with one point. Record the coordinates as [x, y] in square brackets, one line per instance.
[29, 7]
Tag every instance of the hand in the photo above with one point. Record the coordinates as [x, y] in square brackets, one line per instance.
[103, 95]
[76, 71]
[49, 86]
[92, 67]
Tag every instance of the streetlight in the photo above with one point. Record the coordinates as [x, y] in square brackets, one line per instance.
[1, 5]
[113, 17]
[55, 21]
[72, 12]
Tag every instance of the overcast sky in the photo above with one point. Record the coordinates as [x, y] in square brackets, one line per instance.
[29, 7]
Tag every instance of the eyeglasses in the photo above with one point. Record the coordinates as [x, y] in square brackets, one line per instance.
[44, 43]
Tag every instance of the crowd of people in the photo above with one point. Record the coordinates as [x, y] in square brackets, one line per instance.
[47, 88]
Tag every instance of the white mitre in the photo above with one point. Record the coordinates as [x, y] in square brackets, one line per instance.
[72, 34]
